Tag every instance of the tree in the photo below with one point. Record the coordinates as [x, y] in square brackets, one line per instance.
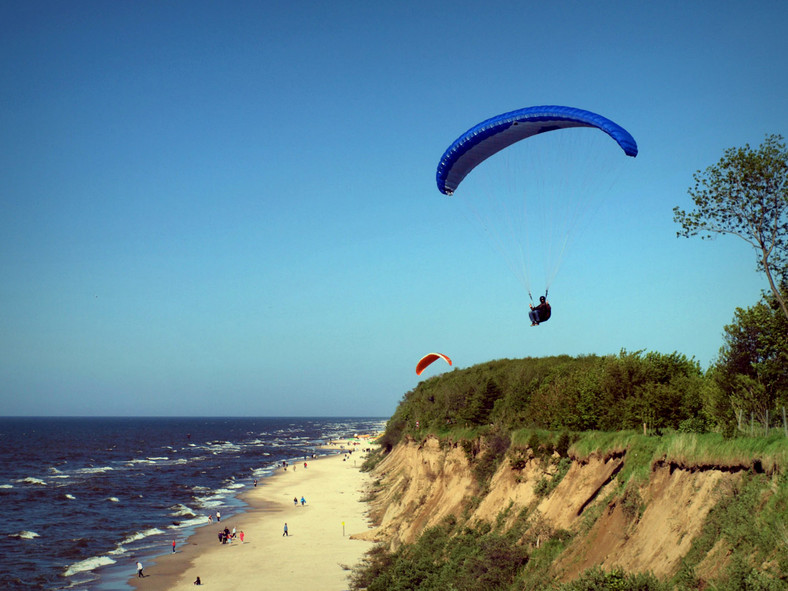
[752, 368]
[746, 194]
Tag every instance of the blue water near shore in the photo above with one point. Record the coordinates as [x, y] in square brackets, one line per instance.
[84, 498]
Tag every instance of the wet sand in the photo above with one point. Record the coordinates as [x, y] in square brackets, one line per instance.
[316, 554]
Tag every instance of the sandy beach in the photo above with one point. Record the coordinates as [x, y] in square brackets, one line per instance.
[316, 554]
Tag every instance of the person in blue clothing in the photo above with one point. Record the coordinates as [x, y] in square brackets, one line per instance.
[540, 313]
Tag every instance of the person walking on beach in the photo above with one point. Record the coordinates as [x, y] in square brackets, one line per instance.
[218, 517]
[241, 535]
[139, 570]
[295, 501]
[284, 534]
[173, 546]
[303, 501]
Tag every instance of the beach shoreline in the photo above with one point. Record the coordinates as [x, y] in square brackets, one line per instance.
[318, 551]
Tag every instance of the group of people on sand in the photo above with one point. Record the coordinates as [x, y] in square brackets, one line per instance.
[226, 536]
[285, 464]
[295, 501]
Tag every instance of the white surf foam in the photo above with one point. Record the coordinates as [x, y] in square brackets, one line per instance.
[88, 564]
[24, 535]
[141, 535]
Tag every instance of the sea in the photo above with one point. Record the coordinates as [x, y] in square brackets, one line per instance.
[83, 499]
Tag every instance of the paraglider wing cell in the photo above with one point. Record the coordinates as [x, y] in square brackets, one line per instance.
[429, 359]
[493, 135]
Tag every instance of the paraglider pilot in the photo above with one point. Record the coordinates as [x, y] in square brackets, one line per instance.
[540, 313]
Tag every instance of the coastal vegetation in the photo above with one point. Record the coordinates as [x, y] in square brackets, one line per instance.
[658, 438]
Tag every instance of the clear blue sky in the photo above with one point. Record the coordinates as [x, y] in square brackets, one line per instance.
[229, 208]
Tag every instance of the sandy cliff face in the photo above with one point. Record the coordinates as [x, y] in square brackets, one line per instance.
[421, 485]
[648, 527]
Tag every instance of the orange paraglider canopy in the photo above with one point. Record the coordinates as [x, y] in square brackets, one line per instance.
[428, 359]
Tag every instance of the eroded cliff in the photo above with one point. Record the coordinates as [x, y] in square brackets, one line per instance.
[646, 523]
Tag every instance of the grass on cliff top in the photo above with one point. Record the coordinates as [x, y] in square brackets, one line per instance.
[712, 449]
[690, 449]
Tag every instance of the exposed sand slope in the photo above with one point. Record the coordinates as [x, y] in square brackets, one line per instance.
[423, 482]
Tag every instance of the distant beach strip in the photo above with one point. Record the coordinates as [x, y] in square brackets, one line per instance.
[318, 502]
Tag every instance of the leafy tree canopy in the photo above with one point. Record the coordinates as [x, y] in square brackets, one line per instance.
[746, 194]
[607, 393]
[752, 368]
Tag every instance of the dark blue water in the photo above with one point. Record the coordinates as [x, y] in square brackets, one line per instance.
[84, 498]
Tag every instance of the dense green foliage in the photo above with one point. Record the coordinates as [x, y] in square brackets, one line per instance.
[596, 579]
[558, 393]
[751, 373]
[447, 556]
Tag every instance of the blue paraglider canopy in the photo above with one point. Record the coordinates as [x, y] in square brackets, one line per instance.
[493, 135]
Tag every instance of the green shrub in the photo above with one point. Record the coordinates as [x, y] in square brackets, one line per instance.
[597, 579]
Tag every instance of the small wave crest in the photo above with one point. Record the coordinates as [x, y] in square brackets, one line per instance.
[31, 480]
[24, 535]
[95, 470]
[141, 535]
[180, 510]
[193, 522]
[88, 564]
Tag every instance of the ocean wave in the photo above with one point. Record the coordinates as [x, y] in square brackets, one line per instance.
[88, 564]
[225, 491]
[6, 486]
[180, 510]
[187, 523]
[70, 497]
[95, 470]
[263, 471]
[113, 499]
[141, 535]
[24, 535]
[31, 480]
[136, 539]
[209, 502]
[222, 446]
[158, 458]
[119, 550]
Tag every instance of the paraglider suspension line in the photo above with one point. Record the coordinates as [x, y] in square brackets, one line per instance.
[530, 297]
